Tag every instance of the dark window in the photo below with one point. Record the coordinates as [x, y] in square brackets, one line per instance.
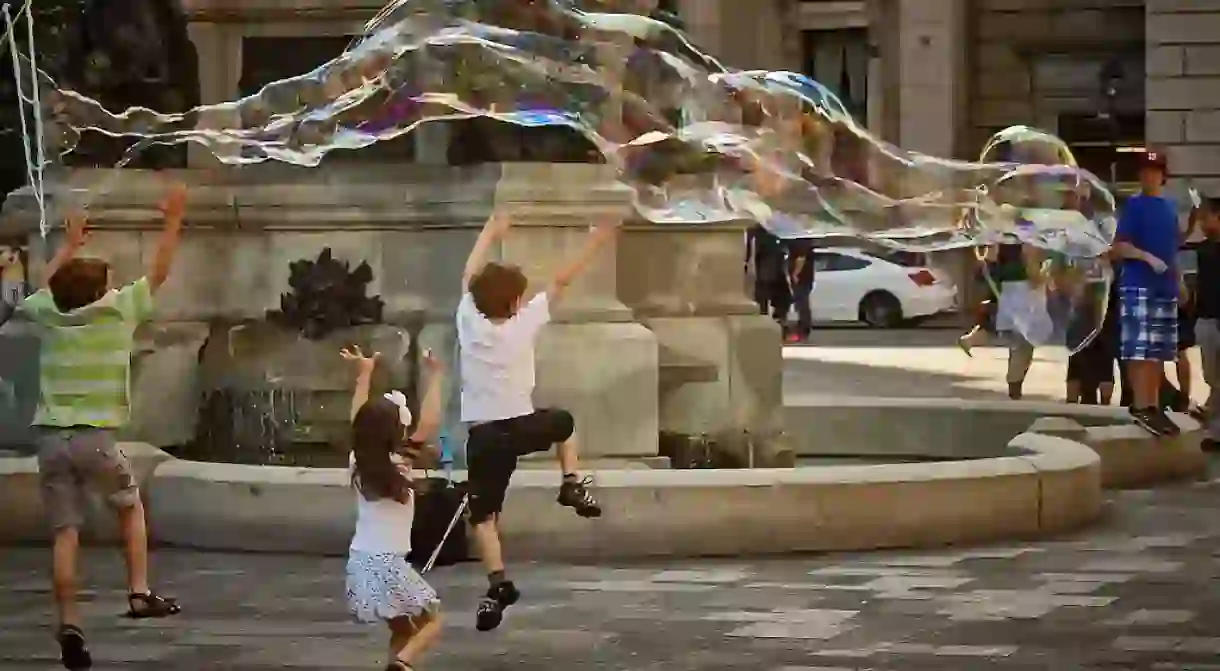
[904, 259]
[1098, 144]
[839, 60]
[829, 261]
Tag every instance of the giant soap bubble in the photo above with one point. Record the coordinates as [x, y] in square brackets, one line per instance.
[695, 140]
[1047, 294]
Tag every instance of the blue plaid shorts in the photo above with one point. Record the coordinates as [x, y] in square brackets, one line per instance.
[1149, 325]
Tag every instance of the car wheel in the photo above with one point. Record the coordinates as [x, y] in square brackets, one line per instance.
[881, 310]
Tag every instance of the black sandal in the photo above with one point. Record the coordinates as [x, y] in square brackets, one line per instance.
[72, 651]
[145, 606]
[398, 665]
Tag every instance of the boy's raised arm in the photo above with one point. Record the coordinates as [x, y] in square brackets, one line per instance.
[174, 208]
[601, 234]
[495, 228]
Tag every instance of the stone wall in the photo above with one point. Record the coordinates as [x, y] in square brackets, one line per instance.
[1184, 89]
[657, 337]
[1035, 59]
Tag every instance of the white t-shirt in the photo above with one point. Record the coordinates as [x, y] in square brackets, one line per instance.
[497, 360]
[382, 526]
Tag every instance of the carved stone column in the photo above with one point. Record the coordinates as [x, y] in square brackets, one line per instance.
[220, 48]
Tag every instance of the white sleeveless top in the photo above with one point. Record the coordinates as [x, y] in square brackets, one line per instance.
[382, 526]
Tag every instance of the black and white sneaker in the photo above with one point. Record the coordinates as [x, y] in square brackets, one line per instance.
[72, 650]
[1168, 426]
[575, 494]
[1148, 419]
[491, 609]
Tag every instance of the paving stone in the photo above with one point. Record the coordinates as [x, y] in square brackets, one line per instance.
[1136, 593]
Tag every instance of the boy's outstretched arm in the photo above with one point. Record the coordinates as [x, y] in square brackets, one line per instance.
[174, 208]
[78, 233]
[601, 234]
[495, 228]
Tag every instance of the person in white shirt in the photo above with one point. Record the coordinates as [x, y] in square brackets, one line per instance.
[496, 332]
[381, 584]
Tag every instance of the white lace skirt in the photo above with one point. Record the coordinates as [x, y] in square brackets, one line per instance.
[385, 586]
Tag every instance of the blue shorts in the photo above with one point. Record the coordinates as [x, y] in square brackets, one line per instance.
[1149, 325]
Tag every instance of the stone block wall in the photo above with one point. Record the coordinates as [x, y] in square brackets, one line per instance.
[1183, 60]
[1035, 59]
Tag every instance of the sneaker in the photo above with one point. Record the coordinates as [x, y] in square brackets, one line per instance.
[72, 650]
[1198, 413]
[491, 609]
[1146, 419]
[1168, 426]
[575, 494]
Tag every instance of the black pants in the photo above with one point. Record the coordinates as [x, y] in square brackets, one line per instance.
[492, 451]
[773, 298]
[804, 314]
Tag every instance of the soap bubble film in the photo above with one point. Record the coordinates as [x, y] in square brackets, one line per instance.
[1046, 295]
[694, 140]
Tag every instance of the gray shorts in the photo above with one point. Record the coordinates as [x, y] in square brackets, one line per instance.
[74, 461]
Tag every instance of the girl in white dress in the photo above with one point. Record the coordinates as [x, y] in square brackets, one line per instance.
[381, 584]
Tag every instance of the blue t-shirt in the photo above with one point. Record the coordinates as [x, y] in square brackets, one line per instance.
[1150, 223]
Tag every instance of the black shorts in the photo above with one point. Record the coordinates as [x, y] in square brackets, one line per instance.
[1094, 364]
[1186, 331]
[492, 450]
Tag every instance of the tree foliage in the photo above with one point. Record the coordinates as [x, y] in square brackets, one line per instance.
[53, 23]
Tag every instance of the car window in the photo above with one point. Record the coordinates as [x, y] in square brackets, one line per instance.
[904, 259]
[830, 261]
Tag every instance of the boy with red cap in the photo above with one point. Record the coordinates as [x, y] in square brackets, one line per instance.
[1147, 243]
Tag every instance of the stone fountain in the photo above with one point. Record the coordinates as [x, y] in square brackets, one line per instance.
[659, 340]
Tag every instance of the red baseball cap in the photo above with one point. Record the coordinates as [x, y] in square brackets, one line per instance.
[1152, 158]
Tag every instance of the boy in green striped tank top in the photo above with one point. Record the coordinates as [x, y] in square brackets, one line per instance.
[87, 337]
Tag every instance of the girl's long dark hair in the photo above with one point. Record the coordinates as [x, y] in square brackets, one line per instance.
[377, 433]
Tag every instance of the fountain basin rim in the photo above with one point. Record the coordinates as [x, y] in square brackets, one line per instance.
[650, 513]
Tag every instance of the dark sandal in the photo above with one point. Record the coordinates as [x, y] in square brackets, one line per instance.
[398, 665]
[72, 651]
[146, 606]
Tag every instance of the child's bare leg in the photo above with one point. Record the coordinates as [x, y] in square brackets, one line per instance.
[1073, 391]
[63, 570]
[1105, 393]
[135, 546]
[568, 456]
[411, 637]
[1185, 373]
[487, 539]
[401, 630]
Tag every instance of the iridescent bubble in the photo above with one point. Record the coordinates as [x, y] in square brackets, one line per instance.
[695, 140]
[1047, 294]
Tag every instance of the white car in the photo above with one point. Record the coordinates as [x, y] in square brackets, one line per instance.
[882, 289]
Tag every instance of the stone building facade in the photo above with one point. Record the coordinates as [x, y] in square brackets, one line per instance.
[943, 75]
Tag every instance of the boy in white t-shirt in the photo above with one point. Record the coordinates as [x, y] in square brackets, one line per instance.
[496, 332]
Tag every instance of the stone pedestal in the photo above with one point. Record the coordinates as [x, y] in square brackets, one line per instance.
[656, 337]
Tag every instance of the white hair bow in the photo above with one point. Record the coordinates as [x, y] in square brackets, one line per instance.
[400, 400]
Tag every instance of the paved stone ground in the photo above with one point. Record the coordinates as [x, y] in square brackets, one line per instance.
[1135, 593]
[919, 362]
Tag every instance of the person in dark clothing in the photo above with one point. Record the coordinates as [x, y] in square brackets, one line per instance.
[765, 259]
[1090, 371]
[800, 278]
[1207, 316]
